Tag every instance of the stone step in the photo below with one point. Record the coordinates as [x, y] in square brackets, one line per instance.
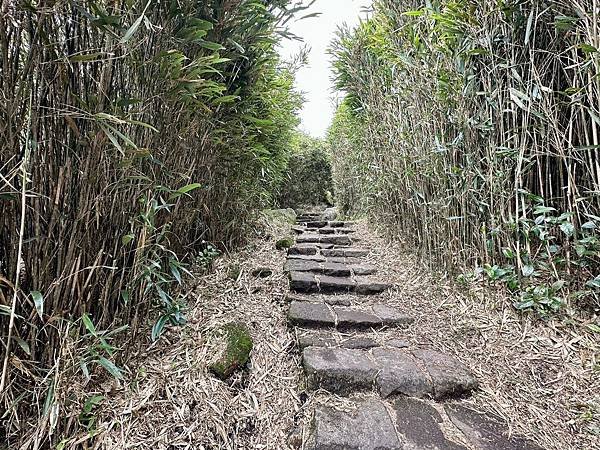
[345, 252]
[328, 339]
[315, 223]
[329, 268]
[329, 230]
[340, 224]
[336, 300]
[416, 373]
[336, 239]
[308, 249]
[318, 314]
[307, 282]
[408, 424]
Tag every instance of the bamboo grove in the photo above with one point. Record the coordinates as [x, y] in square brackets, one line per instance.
[133, 135]
[473, 129]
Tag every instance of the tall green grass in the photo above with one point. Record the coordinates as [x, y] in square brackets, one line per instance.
[472, 129]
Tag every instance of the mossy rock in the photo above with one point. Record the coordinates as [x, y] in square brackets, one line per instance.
[238, 345]
[284, 244]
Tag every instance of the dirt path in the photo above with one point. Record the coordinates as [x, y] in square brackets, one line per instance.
[535, 376]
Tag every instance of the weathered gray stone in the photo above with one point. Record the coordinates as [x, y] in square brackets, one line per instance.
[303, 250]
[308, 257]
[359, 342]
[262, 272]
[399, 374]
[345, 252]
[397, 343]
[335, 284]
[298, 229]
[302, 282]
[340, 223]
[316, 224]
[365, 269]
[342, 260]
[336, 270]
[301, 265]
[316, 339]
[311, 314]
[336, 239]
[337, 300]
[371, 287]
[484, 432]
[353, 318]
[450, 377]
[369, 427]
[326, 230]
[338, 370]
[419, 423]
[391, 316]
[330, 213]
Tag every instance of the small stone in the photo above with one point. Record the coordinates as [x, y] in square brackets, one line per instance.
[316, 224]
[359, 342]
[302, 250]
[364, 269]
[419, 423]
[330, 213]
[326, 230]
[345, 252]
[302, 265]
[399, 374]
[262, 272]
[391, 316]
[311, 314]
[369, 427]
[336, 284]
[371, 287]
[303, 282]
[484, 432]
[450, 377]
[316, 340]
[338, 370]
[352, 318]
[397, 343]
[337, 300]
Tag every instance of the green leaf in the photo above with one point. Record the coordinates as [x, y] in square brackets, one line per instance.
[527, 270]
[87, 322]
[110, 367]
[38, 300]
[133, 28]
[159, 326]
[24, 345]
[127, 239]
[567, 228]
[188, 188]
[592, 326]
[587, 48]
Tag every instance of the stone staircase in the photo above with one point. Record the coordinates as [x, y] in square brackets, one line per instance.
[402, 398]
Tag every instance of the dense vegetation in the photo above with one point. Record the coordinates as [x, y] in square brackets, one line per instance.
[307, 179]
[133, 134]
[473, 130]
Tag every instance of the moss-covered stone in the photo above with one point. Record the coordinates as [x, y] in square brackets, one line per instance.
[238, 345]
[285, 243]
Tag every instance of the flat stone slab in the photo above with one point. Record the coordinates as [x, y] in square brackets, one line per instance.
[344, 317]
[342, 260]
[484, 432]
[316, 224]
[369, 427]
[303, 250]
[336, 239]
[340, 223]
[345, 252]
[450, 377]
[333, 269]
[313, 314]
[400, 374]
[366, 287]
[327, 339]
[390, 370]
[335, 284]
[302, 281]
[419, 425]
[308, 257]
[338, 370]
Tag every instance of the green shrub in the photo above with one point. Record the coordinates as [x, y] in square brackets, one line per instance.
[307, 180]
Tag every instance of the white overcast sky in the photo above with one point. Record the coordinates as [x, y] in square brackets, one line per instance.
[314, 80]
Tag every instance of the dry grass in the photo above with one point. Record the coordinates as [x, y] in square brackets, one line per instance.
[538, 376]
[174, 402]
